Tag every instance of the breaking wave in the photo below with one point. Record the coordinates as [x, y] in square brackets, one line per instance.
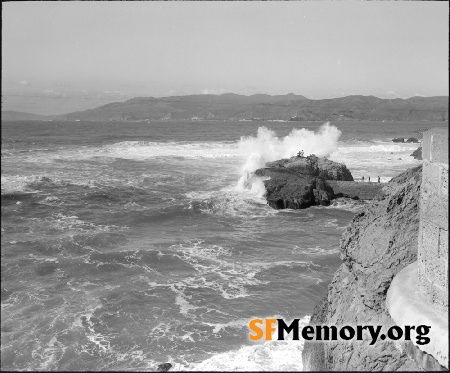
[267, 356]
[267, 147]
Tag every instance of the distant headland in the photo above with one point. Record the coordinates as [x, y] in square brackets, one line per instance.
[258, 107]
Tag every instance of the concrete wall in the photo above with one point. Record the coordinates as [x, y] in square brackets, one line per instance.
[433, 228]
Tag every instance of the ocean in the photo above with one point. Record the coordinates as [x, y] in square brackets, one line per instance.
[130, 244]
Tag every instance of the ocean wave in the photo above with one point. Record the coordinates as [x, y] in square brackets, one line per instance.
[217, 270]
[313, 250]
[18, 183]
[349, 204]
[266, 356]
[32, 183]
[226, 278]
[378, 148]
[266, 147]
[149, 149]
[230, 202]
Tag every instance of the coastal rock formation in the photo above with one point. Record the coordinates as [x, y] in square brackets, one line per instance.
[164, 367]
[401, 139]
[417, 154]
[379, 242]
[300, 182]
[288, 189]
[314, 166]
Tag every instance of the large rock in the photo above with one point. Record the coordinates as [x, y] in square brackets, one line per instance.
[379, 242]
[289, 189]
[417, 154]
[164, 367]
[412, 139]
[314, 166]
[300, 182]
[398, 139]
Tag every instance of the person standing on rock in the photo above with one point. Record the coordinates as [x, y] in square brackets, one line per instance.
[369, 179]
[378, 179]
[363, 179]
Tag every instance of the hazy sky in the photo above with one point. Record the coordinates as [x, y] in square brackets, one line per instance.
[64, 56]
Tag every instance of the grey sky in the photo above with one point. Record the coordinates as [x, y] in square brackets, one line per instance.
[83, 54]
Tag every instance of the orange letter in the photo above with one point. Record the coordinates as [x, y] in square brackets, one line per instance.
[256, 329]
[269, 328]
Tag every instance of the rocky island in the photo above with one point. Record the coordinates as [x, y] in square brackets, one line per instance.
[300, 182]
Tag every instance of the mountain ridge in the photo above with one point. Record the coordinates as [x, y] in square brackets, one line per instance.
[230, 106]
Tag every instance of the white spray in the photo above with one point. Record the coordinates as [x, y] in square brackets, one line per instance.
[267, 147]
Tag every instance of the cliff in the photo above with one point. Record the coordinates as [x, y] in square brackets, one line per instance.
[379, 242]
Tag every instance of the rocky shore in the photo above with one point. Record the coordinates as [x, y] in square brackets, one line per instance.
[417, 154]
[300, 182]
[379, 242]
[402, 139]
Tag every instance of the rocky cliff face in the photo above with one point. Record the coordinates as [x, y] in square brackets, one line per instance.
[380, 241]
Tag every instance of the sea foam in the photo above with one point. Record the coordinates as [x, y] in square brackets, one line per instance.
[266, 356]
[267, 147]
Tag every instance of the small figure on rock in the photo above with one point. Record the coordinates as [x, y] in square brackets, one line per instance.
[300, 154]
[363, 179]
[369, 179]
[378, 179]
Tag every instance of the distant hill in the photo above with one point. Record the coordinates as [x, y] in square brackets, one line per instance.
[17, 115]
[292, 107]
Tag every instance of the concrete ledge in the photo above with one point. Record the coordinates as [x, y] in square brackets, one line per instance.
[353, 189]
[407, 306]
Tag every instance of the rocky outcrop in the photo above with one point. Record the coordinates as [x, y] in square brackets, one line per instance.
[417, 154]
[300, 182]
[314, 166]
[164, 367]
[379, 242]
[401, 139]
[287, 188]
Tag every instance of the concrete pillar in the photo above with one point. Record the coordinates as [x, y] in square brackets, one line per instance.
[433, 228]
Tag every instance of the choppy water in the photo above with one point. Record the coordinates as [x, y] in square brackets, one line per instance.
[125, 245]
